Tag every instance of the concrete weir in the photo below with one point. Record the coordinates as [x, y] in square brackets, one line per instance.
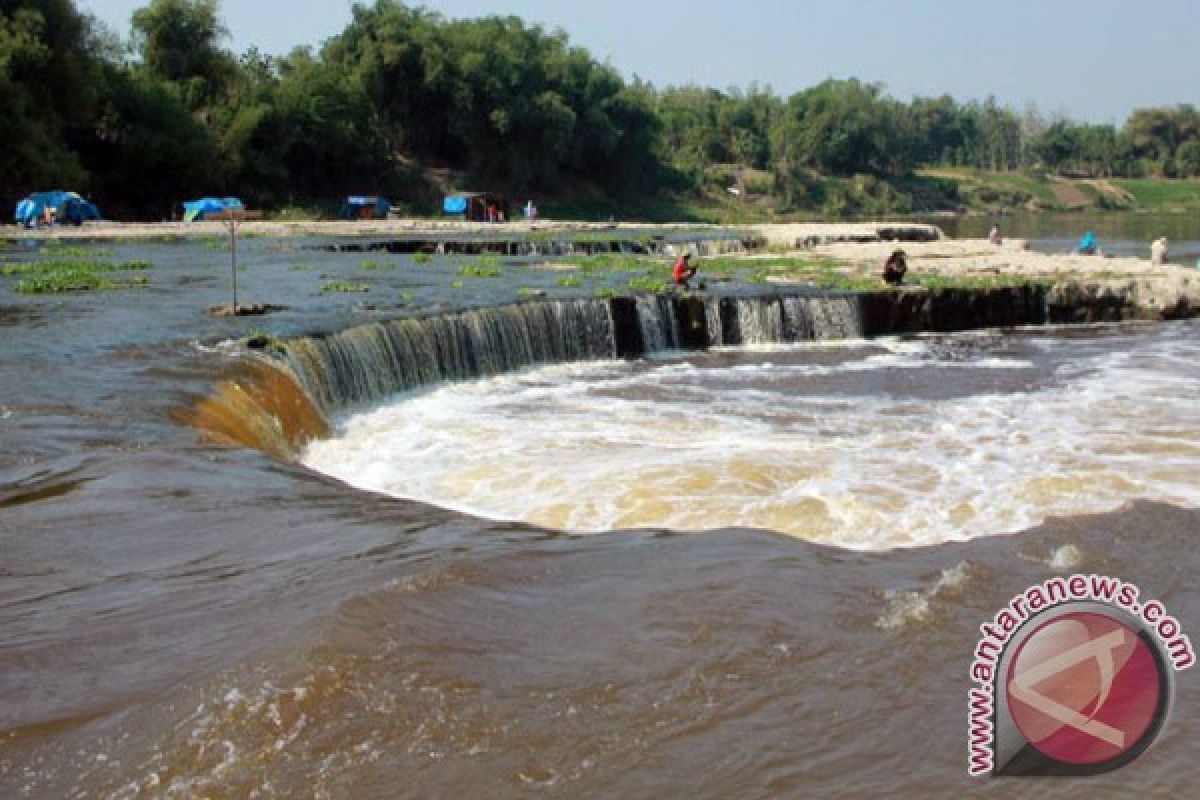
[552, 246]
[278, 410]
[368, 363]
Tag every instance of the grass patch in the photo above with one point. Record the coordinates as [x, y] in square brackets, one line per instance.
[606, 293]
[335, 287]
[67, 278]
[55, 282]
[59, 250]
[60, 275]
[615, 262]
[63, 265]
[1162, 195]
[647, 284]
[479, 271]
[935, 282]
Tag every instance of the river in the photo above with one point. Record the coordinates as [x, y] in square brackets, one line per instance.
[754, 572]
[1119, 233]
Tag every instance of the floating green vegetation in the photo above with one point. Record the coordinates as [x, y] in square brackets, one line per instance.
[55, 282]
[646, 284]
[217, 243]
[60, 265]
[456, 285]
[60, 250]
[300, 267]
[369, 265]
[330, 287]
[607, 293]
[66, 279]
[528, 291]
[480, 270]
[408, 297]
[422, 258]
[569, 282]
[60, 275]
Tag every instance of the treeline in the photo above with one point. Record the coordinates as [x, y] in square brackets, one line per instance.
[403, 95]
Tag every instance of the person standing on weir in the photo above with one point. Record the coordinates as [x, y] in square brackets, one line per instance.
[1158, 251]
[895, 268]
[684, 271]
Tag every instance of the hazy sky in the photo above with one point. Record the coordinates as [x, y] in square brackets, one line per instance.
[1093, 60]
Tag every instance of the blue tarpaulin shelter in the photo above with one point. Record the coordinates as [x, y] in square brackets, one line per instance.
[195, 210]
[365, 207]
[474, 205]
[64, 207]
[455, 204]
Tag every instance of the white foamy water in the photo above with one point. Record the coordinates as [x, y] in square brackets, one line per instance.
[899, 443]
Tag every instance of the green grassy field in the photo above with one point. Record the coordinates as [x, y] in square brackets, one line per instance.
[1162, 195]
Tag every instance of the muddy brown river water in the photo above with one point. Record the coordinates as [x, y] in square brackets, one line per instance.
[751, 572]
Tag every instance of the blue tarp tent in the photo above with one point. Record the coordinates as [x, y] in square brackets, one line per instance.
[66, 207]
[365, 207]
[474, 205]
[197, 209]
[455, 204]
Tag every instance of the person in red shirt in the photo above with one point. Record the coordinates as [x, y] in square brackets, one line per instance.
[684, 271]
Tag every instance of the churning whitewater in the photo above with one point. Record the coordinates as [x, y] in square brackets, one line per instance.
[865, 445]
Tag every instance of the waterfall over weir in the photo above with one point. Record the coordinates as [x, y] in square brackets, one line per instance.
[368, 363]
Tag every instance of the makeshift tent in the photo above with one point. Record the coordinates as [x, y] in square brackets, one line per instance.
[58, 206]
[365, 207]
[474, 205]
[197, 210]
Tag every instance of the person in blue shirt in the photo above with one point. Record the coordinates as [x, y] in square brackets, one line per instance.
[1088, 245]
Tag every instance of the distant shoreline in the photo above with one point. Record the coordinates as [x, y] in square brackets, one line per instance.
[774, 233]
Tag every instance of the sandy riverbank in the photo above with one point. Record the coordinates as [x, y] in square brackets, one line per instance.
[778, 235]
[1151, 287]
[388, 227]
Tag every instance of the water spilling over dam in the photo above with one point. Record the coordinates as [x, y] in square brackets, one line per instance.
[367, 363]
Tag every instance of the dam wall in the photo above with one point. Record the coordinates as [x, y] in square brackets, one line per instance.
[367, 363]
[286, 397]
[554, 246]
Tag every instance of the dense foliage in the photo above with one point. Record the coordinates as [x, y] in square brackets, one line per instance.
[403, 98]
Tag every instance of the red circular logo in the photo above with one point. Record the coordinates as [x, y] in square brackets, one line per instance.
[1084, 688]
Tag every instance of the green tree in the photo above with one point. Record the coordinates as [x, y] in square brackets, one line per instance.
[179, 40]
